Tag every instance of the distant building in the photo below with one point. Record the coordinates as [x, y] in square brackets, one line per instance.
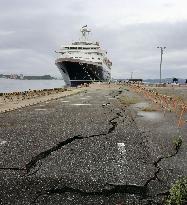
[175, 80]
[135, 80]
[21, 76]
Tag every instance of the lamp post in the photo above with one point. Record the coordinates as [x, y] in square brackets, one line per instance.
[131, 74]
[161, 52]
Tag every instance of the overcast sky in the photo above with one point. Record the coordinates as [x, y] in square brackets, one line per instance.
[130, 30]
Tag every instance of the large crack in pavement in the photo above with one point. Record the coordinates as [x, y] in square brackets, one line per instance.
[48, 152]
[13, 168]
[155, 176]
[109, 190]
[114, 123]
[156, 164]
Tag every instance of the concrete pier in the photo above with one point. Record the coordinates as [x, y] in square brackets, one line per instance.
[87, 148]
[17, 100]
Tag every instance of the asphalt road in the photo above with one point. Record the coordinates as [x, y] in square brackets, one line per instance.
[81, 149]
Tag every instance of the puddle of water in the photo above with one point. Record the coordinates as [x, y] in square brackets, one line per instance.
[79, 104]
[65, 101]
[151, 115]
[141, 105]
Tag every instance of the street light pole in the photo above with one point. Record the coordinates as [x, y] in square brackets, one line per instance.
[161, 53]
[131, 74]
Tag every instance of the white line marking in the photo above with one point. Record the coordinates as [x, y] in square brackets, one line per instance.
[64, 101]
[123, 152]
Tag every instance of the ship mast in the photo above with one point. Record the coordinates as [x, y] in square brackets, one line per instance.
[85, 32]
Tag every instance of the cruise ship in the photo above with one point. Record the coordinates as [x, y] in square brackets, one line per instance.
[83, 61]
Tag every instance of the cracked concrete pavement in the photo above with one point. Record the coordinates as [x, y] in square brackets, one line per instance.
[81, 149]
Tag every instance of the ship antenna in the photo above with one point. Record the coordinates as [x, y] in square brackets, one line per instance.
[85, 32]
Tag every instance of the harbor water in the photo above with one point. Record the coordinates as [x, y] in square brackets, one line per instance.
[11, 85]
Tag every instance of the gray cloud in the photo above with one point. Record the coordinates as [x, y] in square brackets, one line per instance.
[31, 30]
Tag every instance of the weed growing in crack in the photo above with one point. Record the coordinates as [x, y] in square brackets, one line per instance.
[177, 142]
[149, 109]
[127, 100]
[178, 193]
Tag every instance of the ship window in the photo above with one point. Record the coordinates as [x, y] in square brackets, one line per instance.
[92, 58]
[99, 59]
